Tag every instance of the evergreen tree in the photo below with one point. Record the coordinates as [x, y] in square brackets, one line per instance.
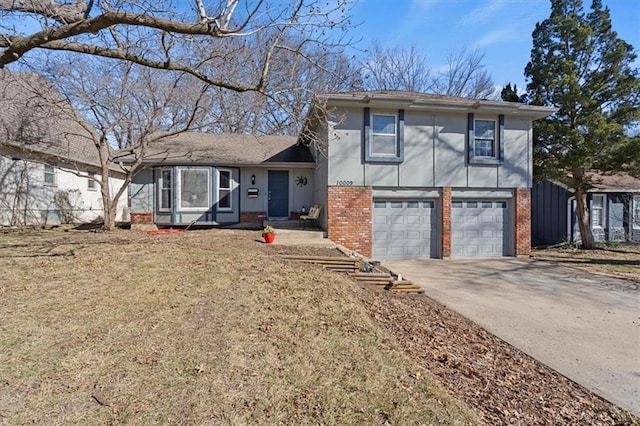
[510, 94]
[579, 65]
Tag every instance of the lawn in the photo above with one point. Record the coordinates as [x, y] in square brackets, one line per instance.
[620, 260]
[215, 327]
[204, 327]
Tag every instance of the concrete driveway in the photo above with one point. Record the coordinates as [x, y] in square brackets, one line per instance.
[584, 326]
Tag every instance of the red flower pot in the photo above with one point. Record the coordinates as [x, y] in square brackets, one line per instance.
[268, 238]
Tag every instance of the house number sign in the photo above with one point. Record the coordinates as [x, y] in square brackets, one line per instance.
[344, 183]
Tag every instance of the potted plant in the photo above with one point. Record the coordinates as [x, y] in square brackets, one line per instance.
[269, 234]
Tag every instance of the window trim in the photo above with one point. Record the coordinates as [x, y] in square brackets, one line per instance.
[92, 185]
[230, 189]
[178, 179]
[498, 148]
[369, 157]
[169, 189]
[603, 209]
[49, 170]
[635, 212]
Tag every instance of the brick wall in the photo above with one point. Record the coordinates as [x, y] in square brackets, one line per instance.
[523, 222]
[246, 217]
[350, 216]
[446, 222]
[143, 218]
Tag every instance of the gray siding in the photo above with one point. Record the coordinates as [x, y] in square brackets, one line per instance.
[435, 153]
[141, 191]
[548, 213]
[321, 174]
[617, 217]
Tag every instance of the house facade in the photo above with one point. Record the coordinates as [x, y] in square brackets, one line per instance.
[222, 179]
[49, 166]
[407, 175]
[614, 207]
[398, 175]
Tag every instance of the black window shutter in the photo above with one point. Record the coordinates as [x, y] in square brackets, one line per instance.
[367, 135]
[470, 136]
[500, 137]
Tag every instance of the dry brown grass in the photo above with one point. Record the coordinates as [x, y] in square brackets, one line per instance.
[620, 260]
[204, 327]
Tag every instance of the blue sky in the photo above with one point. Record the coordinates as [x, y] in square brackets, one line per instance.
[500, 28]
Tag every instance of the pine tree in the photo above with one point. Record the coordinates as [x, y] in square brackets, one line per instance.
[510, 94]
[579, 65]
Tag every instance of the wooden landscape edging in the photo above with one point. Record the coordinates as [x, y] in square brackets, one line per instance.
[362, 271]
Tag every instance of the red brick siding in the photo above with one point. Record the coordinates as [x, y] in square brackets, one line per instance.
[252, 216]
[141, 218]
[523, 222]
[350, 216]
[446, 222]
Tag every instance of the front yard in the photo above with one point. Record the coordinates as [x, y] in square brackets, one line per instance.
[201, 327]
[210, 327]
[621, 260]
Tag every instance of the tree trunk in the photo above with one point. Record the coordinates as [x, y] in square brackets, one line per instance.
[582, 212]
[108, 207]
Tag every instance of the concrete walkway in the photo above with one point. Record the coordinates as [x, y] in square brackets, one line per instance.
[584, 326]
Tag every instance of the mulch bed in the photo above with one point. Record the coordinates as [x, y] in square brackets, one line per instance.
[504, 384]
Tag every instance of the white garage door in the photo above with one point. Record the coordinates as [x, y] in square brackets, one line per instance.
[404, 229]
[479, 228]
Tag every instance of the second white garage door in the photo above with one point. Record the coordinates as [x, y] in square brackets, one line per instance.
[480, 228]
[404, 229]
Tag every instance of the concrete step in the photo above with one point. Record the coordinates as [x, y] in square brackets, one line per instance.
[297, 234]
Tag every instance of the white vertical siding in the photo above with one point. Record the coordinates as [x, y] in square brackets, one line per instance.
[36, 199]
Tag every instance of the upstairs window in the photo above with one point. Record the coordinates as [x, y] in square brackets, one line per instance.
[49, 175]
[224, 189]
[383, 136]
[485, 140]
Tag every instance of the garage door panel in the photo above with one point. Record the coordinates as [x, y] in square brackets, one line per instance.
[403, 228]
[413, 235]
[478, 228]
[413, 220]
[379, 220]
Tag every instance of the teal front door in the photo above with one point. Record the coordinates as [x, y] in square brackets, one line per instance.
[278, 193]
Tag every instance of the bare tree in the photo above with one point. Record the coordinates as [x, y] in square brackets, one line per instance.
[465, 76]
[296, 77]
[127, 108]
[406, 69]
[389, 68]
[168, 35]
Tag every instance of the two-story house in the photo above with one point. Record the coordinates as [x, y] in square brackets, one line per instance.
[398, 175]
[407, 175]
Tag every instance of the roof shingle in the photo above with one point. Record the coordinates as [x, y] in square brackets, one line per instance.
[226, 149]
[37, 119]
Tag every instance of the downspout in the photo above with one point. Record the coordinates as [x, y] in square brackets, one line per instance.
[570, 201]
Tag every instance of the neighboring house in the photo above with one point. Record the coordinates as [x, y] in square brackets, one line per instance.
[217, 179]
[48, 162]
[614, 207]
[398, 175]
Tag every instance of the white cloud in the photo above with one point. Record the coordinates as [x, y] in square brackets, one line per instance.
[485, 13]
[509, 34]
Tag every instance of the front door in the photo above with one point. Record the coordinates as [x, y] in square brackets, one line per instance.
[278, 193]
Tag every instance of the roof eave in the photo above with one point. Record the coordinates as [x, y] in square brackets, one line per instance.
[445, 104]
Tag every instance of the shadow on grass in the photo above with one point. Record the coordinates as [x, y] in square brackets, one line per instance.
[612, 262]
